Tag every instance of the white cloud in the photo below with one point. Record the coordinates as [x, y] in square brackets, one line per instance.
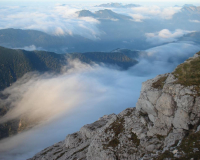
[138, 17]
[30, 48]
[80, 95]
[165, 35]
[195, 21]
[156, 11]
[57, 20]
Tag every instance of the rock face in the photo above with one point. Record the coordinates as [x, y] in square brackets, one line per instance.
[166, 116]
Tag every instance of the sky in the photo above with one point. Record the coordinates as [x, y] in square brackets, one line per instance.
[161, 2]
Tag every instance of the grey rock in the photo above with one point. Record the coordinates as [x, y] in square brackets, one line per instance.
[146, 107]
[181, 119]
[186, 103]
[165, 104]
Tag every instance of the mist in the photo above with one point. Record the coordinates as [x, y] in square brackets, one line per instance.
[82, 94]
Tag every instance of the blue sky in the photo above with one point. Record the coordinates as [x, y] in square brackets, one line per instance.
[180, 2]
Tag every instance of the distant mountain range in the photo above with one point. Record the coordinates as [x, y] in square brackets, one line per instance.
[191, 9]
[103, 14]
[14, 63]
[117, 5]
[115, 31]
[194, 37]
[18, 38]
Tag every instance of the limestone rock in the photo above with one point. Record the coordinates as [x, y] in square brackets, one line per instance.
[165, 104]
[186, 103]
[181, 119]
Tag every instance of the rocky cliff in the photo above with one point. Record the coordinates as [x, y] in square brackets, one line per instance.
[164, 124]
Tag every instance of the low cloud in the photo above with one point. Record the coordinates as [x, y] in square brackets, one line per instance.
[156, 11]
[30, 48]
[195, 21]
[165, 36]
[56, 20]
[138, 17]
[80, 95]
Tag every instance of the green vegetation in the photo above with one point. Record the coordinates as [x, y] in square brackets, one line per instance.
[117, 126]
[114, 58]
[15, 63]
[134, 139]
[166, 154]
[190, 145]
[189, 148]
[159, 83]
[188, 73]
[113, 143]
[160, 137]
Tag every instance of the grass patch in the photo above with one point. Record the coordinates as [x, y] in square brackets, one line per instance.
[159, 83]
[134, 139]
[188, 73]
[113, 143]
[166, 154]
[188, 144]
[117, 126]
[160, 137]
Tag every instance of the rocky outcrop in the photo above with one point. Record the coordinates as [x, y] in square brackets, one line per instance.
[162, 125]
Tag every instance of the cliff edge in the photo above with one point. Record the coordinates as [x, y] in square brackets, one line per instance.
[164, 124]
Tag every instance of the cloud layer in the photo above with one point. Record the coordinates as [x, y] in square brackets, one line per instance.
[165, 36]
[57, 20]
[80, 95]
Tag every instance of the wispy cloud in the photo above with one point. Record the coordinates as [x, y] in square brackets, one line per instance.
[165, 35]
[195, 21]
[57, 20]
[80, 95]
[156, 11]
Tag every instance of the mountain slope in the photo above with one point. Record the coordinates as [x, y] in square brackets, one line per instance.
[164, 124]
[15, 63]
[103, 14]
[18, 38]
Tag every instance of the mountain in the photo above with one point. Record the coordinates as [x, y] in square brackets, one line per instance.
[113, 58]
[129, 53]
[86, 13]
[15, 62]
[164, 125]
[191, 9]
[103, 14]
[112, 38]
[118, 5]
[194, 37]
[18, 38]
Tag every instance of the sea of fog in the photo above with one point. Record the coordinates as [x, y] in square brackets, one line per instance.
[80, 95]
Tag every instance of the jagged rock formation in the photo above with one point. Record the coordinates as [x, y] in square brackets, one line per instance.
[164, 124]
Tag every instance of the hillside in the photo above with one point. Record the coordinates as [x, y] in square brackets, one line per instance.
[18, 38]
[103, 14]
[15, 63]
[164, 125]
[121, 59]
